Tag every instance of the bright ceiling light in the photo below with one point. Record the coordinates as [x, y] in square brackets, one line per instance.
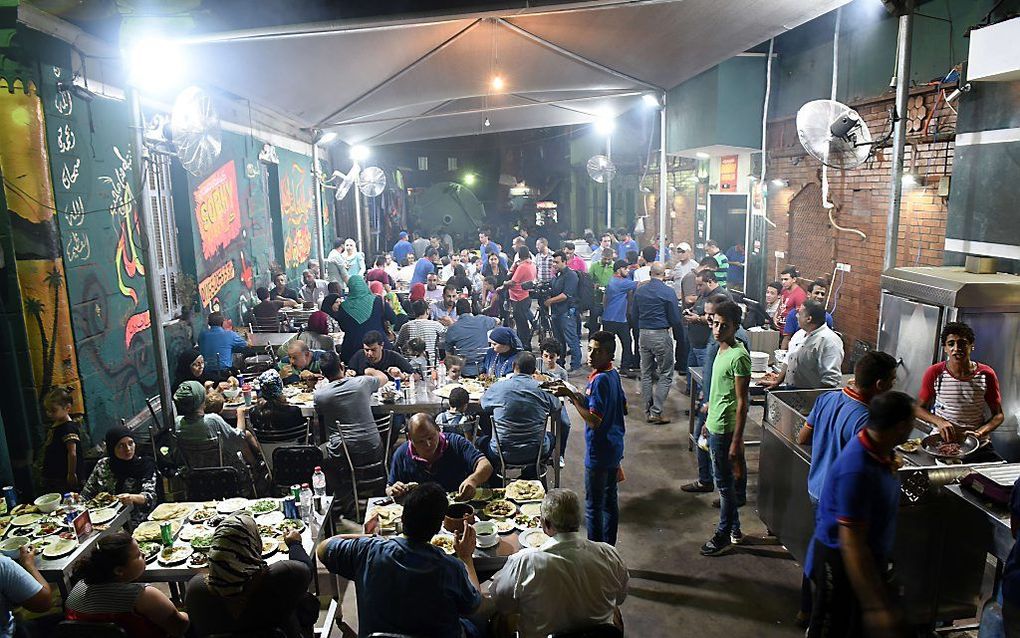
[497, 83]
[327, 138]
[469, 179]
[487, 123]
[605, 123]
[781, 183]
[155, 63]
[650, 100]
[359, 153]
[702, 155]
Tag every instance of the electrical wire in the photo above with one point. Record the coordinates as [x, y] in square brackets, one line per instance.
[835, 294]
[832, 97]
[25, 195]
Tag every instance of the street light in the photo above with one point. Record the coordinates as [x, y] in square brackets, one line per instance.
[605, 123]
[469, 179]
[359, 153]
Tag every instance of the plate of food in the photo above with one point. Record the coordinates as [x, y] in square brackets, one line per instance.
[24, 508]
[46, 527]
[531, 509]
[388, 514]
[289, 524]
[523, 490]
[523, 521]
[174, 555]
[270, 518]
[474, 389]
[231, 505]
[103, 515]
[189, 532]
[202, 543]
[24, 520]
[264, 506]
[443, 542]
[267, 531]
[504, 525]
[101, 500]
[302, 397]
[149, 530]
[482, 495]
[60, 548]
[951, 450]
[452, 497]
[533, 538]
[149, 550]
[201, 515]
[269, 546]
[169, 511]
[5, 522]
[198, 560]
[499, 509]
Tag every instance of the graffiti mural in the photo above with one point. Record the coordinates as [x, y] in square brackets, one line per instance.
[297, 208]
[217, 210]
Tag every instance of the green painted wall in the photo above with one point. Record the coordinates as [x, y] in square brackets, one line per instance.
[720, 106]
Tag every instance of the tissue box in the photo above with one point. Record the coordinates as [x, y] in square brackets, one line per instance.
[764, 341]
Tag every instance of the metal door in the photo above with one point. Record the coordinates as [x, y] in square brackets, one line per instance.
[909, 330]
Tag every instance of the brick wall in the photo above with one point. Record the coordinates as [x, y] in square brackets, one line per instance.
[803, 229]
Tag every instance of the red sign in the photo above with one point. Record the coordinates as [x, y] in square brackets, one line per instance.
[728, 173]
[217, 210]
[82, 526]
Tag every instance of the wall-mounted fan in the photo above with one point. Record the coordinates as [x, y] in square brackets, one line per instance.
[372, 181]
[601, 169]
[192, 132]
[834, 134]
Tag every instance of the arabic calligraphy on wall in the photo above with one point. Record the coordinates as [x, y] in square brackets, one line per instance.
[217, 210]
[211, 285]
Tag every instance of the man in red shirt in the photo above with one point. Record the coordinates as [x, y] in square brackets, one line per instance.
[959, 395]
[524, 270]
[793, 295]
[574, 262]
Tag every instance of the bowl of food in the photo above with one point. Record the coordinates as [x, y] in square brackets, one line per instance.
[48, 502]
[231, 394]
[486, 534]
[456, 515]
[11, 547]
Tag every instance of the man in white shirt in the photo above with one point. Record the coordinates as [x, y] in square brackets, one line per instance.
[645, 260]
[447, 270]
[568, 584]
[391, 267]
[335, 269]
[312, 289]
[685, 262]
[815, 357]
[596, 255]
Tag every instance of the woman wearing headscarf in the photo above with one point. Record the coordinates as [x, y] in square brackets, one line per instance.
[315, 334]
[399, 313]
[361, 313]
[352, 259]
[417, 292]
[243, 596]
[376, 288]
[504, 345]
[272, 411]
[124, 473]
[190, 367]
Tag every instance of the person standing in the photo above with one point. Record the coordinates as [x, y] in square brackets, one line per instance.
[335, 268]
[818, 290]
[722, 268]
[815, 358]
[543, 260]
[524, 270]
[401, 248]
[601, 272]
[425, 266]
[420, 244]
[960, 395]
[574, 261]
[645, 260]
[736, 258]
[618, 298]
[562, 296]
[657, 310]
[699, 330]
[218, 346]
[727, 416]
[603, 407]
[627, 244]
[855, 528]
[793, 295]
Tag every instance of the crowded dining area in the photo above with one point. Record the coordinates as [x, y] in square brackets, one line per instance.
[576, 319]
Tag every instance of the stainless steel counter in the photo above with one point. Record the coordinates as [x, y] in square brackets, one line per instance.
[939, 553]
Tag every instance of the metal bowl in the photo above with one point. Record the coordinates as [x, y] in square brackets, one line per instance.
[968, 446]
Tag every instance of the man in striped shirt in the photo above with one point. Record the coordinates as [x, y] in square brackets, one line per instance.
[959, 395]
[543, 260]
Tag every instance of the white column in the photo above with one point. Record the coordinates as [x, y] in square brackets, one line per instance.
[609, 184]
[663, 204]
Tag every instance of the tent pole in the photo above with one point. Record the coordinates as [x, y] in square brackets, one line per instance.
[357, 205]
[663, 204]
[609, 184]
[892, 227]
[317, 202]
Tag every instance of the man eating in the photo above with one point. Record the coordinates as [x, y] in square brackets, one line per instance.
[429, 455]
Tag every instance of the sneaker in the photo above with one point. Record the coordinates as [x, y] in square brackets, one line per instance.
[657, 419]
[716, 503]
[715, 546]
[736, 537]
[562, 463]
[696, 487]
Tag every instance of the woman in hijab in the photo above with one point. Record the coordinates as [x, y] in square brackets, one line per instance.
[399, 313]
[417, 292]
[315, 334]
[190, 367]
[124, 473]
[504, 345]
[376, 288]
[243, 596]
[361, 313]
[272, 411]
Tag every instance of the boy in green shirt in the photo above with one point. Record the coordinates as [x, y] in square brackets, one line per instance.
[727, 415]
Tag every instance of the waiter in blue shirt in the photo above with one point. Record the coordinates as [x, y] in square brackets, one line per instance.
[218, 346]
[562, 295]
[425, 266]
[402, 248]
[658, 310]
[616, 301]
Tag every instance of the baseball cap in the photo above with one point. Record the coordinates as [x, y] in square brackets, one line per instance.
[683, 246]
[403, 235]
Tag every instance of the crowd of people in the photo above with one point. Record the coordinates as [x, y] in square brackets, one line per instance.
[477, 313]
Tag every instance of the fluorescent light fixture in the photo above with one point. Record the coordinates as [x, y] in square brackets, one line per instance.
[605, 123]
[327, 138]
[155, 63]
[909, 180]
[702, 155]
[780, 183]
[359, 153]
[470, 179]
[497, 83]
[650, 100]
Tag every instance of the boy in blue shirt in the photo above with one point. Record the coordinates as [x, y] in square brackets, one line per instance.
[603, 407]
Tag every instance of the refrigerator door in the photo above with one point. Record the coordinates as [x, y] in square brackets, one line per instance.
[909, 330]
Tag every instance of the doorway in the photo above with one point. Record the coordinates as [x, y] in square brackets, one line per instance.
[727, 225]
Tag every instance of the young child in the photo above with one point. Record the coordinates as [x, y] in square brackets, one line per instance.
[454, 367]
[456, 418]
[551, 350]
[416, 356]
[214, 401]
[62, 455]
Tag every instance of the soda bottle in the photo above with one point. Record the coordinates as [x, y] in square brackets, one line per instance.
[442, 373]
[246, 391]
[318, 482]
[306, 501]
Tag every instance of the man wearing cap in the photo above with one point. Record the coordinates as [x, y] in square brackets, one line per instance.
[401, 248]
[618, 297]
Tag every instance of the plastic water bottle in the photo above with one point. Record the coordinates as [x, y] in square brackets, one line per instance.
[306, 501]
[442, 373]
[318, 482]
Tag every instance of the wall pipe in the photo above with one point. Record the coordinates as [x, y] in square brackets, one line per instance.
[145, 221]
[319, 231]
[663, 204]
[609, 183]
[892, 229]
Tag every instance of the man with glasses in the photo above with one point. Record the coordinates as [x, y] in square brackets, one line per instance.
[561, 304]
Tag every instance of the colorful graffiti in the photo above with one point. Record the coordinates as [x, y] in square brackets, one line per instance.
[217, 210]
[209, 287]
[41, 277]
[297, 209]
[124, 211]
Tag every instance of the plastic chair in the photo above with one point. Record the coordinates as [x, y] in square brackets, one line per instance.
[384, 424]
[212, 483]
[200, 454]
[82, 629]
[596, 631]
[372, 481]
[295, 464]
[539, 465]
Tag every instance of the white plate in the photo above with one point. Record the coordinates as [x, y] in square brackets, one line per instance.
[231, 505]
[533, 538]
[59, 548]
[104, 515]
[531, 509]
[270, 518]
[495, 541]
[183, 554]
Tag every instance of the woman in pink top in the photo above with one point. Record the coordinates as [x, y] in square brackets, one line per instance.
[524, 270]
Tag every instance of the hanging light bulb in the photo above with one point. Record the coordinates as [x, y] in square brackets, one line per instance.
[497, 83]
[487, 123]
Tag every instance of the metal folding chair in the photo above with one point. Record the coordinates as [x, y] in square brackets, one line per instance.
[384, 424]
[368, 485]
[541, 468]
[295, 464]
[212, 483]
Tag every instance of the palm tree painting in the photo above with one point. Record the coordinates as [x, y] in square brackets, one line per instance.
[55, 280]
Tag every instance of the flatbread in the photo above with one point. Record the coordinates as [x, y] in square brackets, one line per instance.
[525, 491]
[168, 511]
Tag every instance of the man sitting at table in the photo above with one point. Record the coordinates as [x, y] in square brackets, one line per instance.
[429, 455]
[313, 289]
[468, 337]
[218, 346]
[404, 584]
[379, 274]
[269, 309]
[445, 310]
[569, 584]
[281, 290]
[300, 364]
[519, 407]
[373, 355]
